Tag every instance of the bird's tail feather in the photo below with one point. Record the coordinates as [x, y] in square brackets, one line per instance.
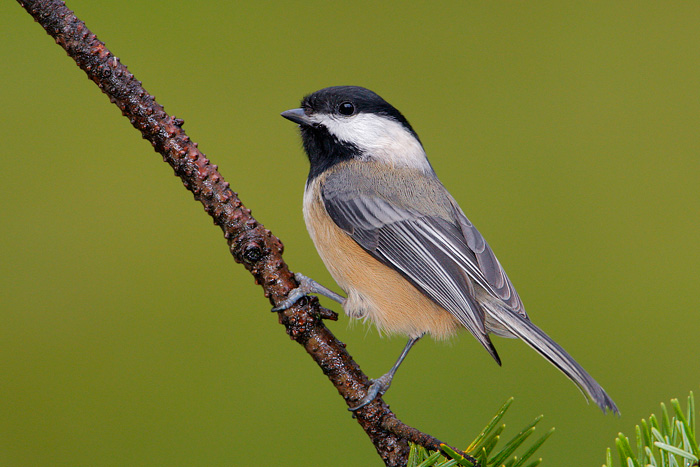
[545, 346]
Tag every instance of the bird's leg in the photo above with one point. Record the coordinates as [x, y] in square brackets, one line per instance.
[380, 385]
[307, 286]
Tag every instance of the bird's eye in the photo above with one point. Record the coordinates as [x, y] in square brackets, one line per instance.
[346, 108]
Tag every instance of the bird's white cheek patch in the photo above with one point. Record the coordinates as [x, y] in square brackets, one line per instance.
[382, 139]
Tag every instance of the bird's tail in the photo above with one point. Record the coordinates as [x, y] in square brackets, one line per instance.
[545, 346]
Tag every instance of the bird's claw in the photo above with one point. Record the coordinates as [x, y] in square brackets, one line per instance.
[305, 287]
[293, 297]
[377, 389]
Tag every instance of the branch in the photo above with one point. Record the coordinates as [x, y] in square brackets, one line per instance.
[250, 243]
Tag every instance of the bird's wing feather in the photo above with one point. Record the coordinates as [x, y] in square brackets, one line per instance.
[445, 257]
[431, 218]
[429, 251]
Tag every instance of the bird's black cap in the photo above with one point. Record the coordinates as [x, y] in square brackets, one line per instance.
[328, 100]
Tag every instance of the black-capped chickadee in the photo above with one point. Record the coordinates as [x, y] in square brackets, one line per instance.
[397, 242]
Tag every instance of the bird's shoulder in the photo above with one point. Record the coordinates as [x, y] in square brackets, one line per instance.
[404, 189]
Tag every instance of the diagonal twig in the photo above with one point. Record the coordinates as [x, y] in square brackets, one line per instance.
[250, 243]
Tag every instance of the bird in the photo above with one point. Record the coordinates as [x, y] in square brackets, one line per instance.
[397, 243]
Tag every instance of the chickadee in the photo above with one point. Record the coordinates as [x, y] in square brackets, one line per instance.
[397, 242]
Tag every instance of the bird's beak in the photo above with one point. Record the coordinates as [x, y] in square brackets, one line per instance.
[297, 116]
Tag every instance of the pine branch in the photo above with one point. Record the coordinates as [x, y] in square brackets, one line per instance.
[485, 447]
[250, 243]
[668, 442]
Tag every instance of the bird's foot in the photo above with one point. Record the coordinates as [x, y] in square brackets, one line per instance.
[377, 389]
[306, 286]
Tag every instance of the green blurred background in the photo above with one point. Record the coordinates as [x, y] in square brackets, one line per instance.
[568, 132]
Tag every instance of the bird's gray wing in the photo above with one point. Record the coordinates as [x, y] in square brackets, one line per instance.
[429, 251]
